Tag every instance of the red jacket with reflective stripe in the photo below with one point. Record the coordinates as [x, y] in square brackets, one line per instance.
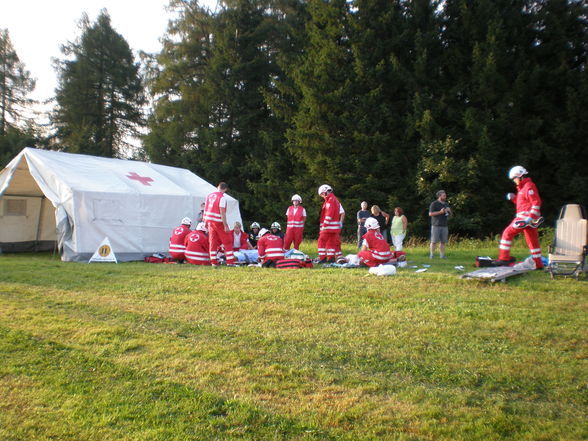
[176, 241]
[377, 245]
[270, 247]
[527, 200]
[295, 220]
[212, 209]
[196, 247]
[331, 214]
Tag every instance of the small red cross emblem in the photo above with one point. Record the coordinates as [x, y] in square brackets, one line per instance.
[143, 180]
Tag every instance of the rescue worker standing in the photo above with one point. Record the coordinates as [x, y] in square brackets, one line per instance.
[527, 218]
[176, 241]
[219, 233]
[296, 216]
[331, 223]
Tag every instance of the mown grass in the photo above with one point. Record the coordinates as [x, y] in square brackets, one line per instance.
[175, 352]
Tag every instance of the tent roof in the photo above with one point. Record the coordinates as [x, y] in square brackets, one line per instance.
[84, 173]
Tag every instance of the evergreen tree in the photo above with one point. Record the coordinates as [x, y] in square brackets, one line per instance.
[425, 109]
[321, 137]
[15, 139]
[211, 113]
[100, 94]
[15, 84]
[554, 103]
[465, 143]
[176, 79]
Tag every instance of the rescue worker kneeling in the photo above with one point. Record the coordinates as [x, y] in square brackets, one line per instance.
[270, 248]
[374, 250]
[197, 246]
[176, 241]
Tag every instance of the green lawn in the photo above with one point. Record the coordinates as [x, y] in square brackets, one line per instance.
[141, 352]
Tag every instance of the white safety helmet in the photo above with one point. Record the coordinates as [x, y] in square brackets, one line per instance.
[276, 225]
[255, 225]
[518, 171]
[187, 221]
[324, 189]
[202, 227]
[371, 223]
[297, 197]
[262, 232]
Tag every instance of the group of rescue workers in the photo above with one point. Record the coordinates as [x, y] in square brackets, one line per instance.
[213, 237]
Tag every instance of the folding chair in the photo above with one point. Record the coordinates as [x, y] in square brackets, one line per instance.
[567, 254]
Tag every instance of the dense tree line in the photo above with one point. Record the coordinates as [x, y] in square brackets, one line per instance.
[385, 100]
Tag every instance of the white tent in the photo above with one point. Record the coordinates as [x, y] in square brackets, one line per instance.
[74, 201]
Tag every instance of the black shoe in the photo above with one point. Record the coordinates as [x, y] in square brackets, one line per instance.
[499, 262]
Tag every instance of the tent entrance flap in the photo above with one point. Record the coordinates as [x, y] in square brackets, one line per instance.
[27, 223]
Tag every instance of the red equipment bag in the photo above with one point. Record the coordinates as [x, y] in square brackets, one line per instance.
[288, 263]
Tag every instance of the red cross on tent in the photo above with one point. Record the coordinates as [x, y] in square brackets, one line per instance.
[142, 179]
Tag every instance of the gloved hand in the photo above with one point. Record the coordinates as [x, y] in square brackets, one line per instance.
[535, 223]
[510, 196]
[522, 223]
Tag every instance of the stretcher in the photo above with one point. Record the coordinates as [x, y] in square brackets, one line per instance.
[496, 274]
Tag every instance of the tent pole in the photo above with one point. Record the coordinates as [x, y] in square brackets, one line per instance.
[40, 218]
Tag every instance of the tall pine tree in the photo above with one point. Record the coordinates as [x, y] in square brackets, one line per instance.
[100, 93]
[15, 85]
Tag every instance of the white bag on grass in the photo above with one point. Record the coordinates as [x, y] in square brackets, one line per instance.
[383, 270]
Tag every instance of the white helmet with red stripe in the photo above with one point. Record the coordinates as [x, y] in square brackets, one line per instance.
[518, 171]
[371, 224]
[202, 227]
[187, 221]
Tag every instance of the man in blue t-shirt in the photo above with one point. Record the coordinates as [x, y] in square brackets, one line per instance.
[439, 211]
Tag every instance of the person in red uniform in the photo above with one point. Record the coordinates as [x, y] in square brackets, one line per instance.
[269, 247]
[375, 249]
[296, 216]
[331, 222]
[176, 241]
[219, 233]
[240, 238]
[197, 246]
[527, 218]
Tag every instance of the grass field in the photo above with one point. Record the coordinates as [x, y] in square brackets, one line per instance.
[139, 351]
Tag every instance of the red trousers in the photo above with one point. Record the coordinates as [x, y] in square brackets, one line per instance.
[368, 258]
[532, 238]
[217, 236]
[329, 244]
[293, 236]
